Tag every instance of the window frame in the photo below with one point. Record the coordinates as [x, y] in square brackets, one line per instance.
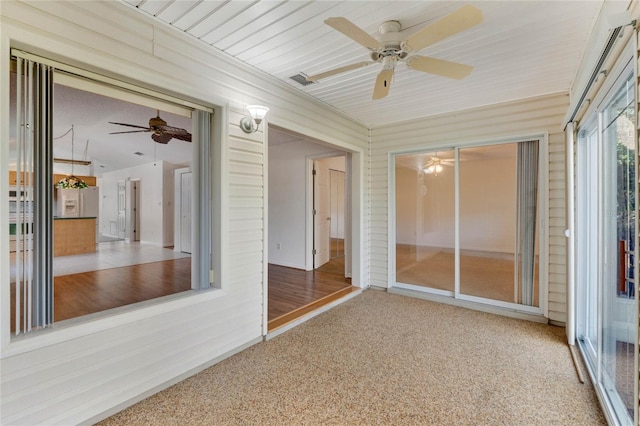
[207, 221]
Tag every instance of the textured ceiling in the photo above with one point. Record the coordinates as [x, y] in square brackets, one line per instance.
[521, 49]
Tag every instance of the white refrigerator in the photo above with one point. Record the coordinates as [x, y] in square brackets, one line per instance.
[78, 202]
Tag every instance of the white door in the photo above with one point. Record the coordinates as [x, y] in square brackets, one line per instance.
[122, 193]
[185, 212]
[135, 202]
[322, 213]
[337, 213]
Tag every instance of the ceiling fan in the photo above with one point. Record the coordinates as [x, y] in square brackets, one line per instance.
[392, 48]
[161, 133]
[435, 165]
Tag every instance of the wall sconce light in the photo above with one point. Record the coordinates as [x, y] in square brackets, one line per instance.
[250, 124]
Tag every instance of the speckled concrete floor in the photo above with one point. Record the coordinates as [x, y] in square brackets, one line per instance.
[386, 359]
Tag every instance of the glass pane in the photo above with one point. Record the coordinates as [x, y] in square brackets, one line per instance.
[489, 229]
[618, 320]
[122, 202]
[587, 246]
[425, 220]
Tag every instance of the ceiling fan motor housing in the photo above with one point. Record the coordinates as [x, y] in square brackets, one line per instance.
[391, 39]
[156, 122]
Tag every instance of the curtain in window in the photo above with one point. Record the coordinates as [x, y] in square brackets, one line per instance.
[527, 209]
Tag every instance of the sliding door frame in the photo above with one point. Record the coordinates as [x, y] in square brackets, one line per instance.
[593, 121]
[456, 297]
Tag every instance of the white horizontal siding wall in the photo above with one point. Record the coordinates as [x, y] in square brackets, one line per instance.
[81, 373]
[497, 122]
[557, 225]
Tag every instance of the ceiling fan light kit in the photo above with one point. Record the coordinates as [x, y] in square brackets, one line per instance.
[391, 48]
[434, 168]
[436, 165]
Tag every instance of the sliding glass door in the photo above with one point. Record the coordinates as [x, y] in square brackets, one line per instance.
[468, 223]
[606, 241]
[425, 236]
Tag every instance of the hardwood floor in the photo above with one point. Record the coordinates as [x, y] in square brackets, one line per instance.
[90, 292]
[294, 292]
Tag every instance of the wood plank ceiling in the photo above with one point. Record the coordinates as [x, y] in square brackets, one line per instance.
[522, 49]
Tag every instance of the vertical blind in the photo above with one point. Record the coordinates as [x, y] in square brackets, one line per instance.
[526, 221]
[31, 212]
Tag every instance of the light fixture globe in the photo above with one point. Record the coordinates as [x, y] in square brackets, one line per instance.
[250, 124]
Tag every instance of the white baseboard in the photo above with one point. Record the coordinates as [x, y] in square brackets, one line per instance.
[469, 305]
[287, 264]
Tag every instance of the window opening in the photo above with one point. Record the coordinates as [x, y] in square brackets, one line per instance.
[93, 220]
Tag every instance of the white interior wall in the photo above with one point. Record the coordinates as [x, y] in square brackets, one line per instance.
[96, 367]
[287, 198]
[488, 205]
[156, 201]
[425, 206]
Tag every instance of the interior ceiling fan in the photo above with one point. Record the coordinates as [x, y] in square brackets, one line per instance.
[435, 165]
[160, 132]
[392, 48]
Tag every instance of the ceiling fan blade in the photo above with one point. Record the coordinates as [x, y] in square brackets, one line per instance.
[354, 32]
[176, 132]
[186, 138]
[383, 83]
[455, 22]
[438, 66]
[335, 71]
[130, 131]
[129, 125]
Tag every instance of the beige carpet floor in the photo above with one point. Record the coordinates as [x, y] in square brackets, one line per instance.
[383, 359]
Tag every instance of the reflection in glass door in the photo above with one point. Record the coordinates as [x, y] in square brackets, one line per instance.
[469, 227]
[499, 222]
[425, 225]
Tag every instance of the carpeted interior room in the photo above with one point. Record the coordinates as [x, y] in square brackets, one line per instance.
[387, 359]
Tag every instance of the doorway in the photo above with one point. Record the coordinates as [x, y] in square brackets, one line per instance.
[337, 214]
[328, 177]
[183, 235]
[133, 227]
[295, 286]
